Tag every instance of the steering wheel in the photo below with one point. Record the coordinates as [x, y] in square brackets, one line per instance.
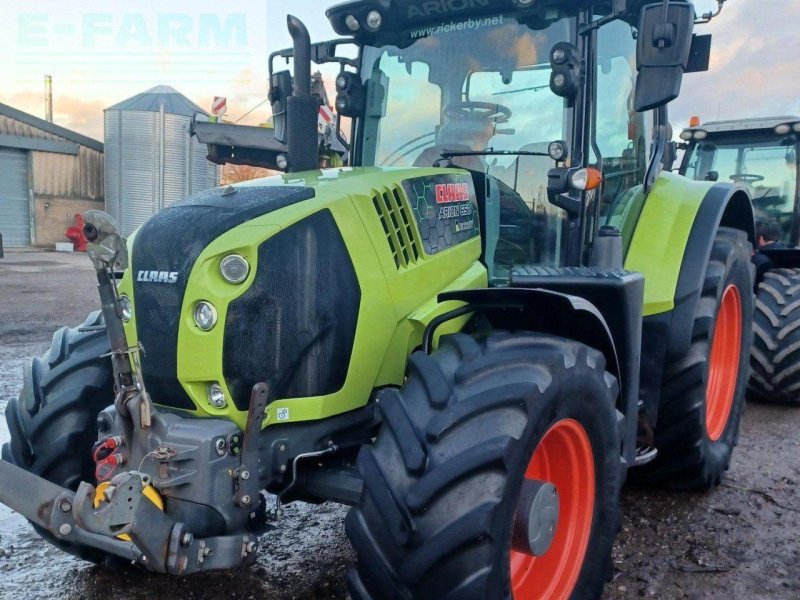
[747, 178]
[474, 111]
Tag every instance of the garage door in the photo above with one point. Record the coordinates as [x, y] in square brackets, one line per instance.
[14, 208]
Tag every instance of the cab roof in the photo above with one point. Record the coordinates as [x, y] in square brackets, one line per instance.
[754, 124]
[400, 15]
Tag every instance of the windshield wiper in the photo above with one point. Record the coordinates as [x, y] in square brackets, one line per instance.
[446, 155]
[535, 88]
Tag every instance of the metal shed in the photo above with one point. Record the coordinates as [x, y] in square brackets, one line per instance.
[151, 158]
[48, 173]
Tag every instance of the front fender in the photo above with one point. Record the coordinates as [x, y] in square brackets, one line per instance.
[575, 317]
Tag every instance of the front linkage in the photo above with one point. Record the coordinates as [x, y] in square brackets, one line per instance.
[186, 462]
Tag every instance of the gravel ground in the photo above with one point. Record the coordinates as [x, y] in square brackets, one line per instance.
[741, 540]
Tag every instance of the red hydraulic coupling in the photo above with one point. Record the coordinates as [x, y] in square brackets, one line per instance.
[106, 468]
[103, 449]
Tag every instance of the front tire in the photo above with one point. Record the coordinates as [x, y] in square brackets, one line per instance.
[702, 399]
[53, 423]
[775, 358]
[476, 424]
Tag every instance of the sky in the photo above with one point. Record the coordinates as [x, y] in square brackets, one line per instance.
[102, 53]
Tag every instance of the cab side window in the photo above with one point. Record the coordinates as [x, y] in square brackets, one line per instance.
[622, 135]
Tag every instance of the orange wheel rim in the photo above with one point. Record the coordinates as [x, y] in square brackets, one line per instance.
[564, 458]
[723, 364]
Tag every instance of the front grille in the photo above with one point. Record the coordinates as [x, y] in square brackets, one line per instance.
[170, 242]
[294, 328]
[390, 204]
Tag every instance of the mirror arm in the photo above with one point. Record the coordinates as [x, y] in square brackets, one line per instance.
[339, 136]
[288, 53]
[595, 25]
[618, 11]
[659, 147]
[344, 62]
[707, 17]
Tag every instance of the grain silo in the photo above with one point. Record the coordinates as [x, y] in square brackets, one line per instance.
[151, 159]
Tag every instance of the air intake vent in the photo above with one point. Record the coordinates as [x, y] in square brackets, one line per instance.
[394, 215]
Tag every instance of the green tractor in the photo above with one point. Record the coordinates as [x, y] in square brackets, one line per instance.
[761, 155]
[469, 334]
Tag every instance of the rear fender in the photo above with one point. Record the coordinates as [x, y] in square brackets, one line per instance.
[672, 240]
[723, 206]
[671, 246]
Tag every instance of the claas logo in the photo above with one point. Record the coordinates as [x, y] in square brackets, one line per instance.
[452, 192]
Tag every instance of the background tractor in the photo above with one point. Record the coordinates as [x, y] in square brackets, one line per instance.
[470, 333]
[761, 155]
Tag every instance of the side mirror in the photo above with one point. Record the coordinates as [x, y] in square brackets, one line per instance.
[349, 94]
[662, 55]
[700, 54]
[322, 52]
[325, 52]
[279, 91]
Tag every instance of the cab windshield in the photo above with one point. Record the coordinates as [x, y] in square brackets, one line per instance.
[466, 86]
[768, 169]
[480, 85]
[483, 86]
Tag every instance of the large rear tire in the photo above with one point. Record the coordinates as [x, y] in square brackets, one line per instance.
[703, 394]
[53, 423]
[775, 359]
[475, 426]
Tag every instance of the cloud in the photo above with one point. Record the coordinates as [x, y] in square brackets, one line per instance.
[753, 70]
[83, 116]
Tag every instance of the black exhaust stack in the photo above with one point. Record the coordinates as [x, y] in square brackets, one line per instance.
[302, 109]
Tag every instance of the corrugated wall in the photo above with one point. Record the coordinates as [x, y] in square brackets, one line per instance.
[67, 176]
[60, 175]
[13, 127]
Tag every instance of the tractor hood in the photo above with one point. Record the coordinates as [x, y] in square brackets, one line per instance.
[164, 253]
[308, 240]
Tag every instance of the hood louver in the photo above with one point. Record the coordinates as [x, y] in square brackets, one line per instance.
[390, 204]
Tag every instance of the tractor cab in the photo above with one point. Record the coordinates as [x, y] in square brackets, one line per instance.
[497, 95]
[760, 154]
[545, 104]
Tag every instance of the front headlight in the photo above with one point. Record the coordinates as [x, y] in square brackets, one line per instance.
[205, 315]
[234, 268]
[216, 396]
[374, 20]
[125, 308]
